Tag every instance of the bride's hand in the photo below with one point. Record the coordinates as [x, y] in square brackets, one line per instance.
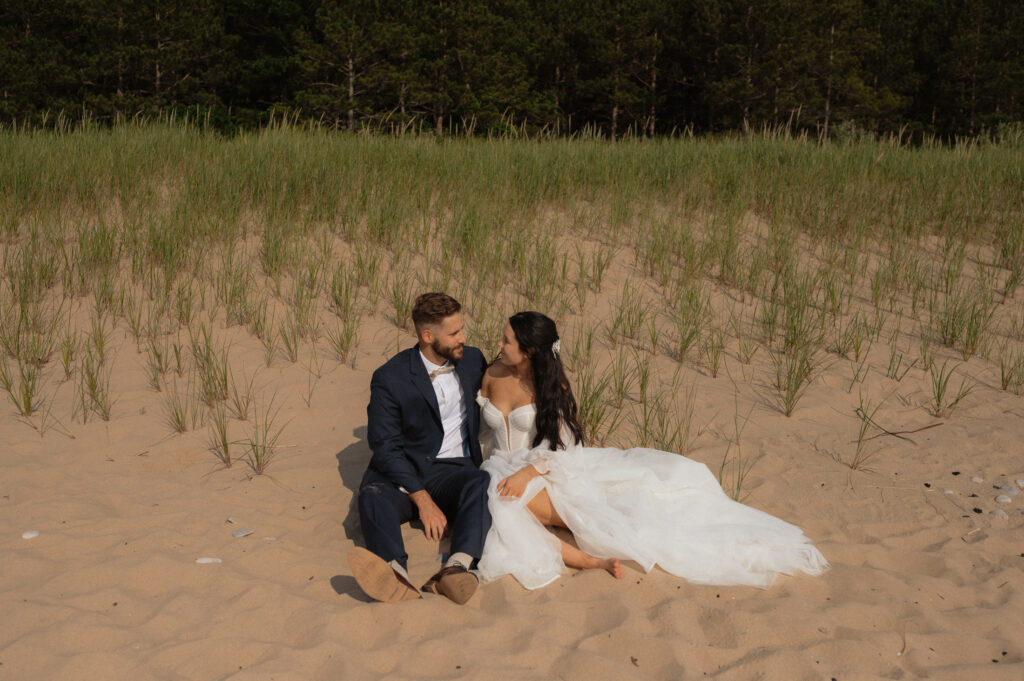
[515, 484]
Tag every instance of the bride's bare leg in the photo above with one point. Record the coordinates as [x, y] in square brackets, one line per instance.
[545, 512]
[542, 509]
[575, 558]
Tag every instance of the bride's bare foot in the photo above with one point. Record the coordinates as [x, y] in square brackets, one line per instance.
[575, 558]
[612, 566]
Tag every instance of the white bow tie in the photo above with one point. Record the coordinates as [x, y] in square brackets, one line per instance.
[443, 370]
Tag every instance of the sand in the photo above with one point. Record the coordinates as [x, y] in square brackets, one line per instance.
[924, 583]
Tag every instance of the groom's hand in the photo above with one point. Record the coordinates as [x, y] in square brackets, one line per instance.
[434, 522]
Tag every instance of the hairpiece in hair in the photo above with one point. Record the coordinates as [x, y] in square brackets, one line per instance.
[556, 347]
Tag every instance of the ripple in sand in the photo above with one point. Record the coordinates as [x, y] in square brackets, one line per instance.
[30, 534]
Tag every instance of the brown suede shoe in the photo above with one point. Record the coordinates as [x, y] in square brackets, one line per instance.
[378, 579]
[455, 582]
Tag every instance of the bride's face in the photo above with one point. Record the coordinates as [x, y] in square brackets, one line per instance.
[508, 346]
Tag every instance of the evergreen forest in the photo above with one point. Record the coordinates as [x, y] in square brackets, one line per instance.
[914, 68]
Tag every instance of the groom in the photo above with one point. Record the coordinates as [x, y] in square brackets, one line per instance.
[422, 426]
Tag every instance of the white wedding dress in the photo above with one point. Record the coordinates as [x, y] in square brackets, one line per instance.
[645, 505]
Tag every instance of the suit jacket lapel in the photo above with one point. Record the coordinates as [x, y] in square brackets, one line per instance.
[460, 371]
[468, 392]
[421, 380]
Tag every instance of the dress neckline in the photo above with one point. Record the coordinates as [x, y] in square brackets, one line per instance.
[488, 400]
[505, 417]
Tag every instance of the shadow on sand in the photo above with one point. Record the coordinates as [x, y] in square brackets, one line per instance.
[352, 462]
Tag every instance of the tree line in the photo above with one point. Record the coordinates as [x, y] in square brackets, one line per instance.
[644, 67]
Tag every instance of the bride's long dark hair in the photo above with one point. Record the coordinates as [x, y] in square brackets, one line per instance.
[536, 333]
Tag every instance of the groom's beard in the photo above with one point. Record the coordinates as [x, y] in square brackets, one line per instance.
[453, 354]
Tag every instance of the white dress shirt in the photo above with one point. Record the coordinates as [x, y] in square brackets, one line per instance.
[451, 402]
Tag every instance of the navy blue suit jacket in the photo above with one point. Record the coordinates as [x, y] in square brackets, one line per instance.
[403, 421]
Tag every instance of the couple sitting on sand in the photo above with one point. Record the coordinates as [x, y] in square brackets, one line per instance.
[649, 506]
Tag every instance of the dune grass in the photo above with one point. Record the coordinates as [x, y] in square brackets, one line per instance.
[298, 235]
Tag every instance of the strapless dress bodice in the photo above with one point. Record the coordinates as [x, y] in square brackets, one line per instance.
[513, 431]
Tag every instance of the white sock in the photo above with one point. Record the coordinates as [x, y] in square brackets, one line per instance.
[460, 558]
[397, 567]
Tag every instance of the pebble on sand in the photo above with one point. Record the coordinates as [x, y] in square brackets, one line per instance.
[1010, 489]
[999, 513]
[977, 478]
[1020, 482]
[30, 534]
[1003, 499]
[207, 560]
[946, 490]
[241, 533]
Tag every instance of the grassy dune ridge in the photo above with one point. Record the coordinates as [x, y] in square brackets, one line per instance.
[764, 260]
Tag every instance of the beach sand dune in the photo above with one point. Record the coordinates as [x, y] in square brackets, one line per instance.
[926, 582]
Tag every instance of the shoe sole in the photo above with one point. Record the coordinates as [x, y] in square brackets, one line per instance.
[377, 579]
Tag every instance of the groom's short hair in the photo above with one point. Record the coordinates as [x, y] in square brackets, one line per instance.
[431, 308]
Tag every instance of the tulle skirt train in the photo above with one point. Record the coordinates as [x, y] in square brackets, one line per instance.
[644, 505]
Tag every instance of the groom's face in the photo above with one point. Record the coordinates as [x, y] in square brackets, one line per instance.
[448, 338]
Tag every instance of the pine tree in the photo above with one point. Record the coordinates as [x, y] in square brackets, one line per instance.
[337, 58]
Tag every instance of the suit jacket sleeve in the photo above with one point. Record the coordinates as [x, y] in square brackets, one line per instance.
[384, 435]
[482, 364]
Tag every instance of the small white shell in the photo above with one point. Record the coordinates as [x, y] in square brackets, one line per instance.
[977, 478]
[30, 534]
[207, 561]
[1003, 499]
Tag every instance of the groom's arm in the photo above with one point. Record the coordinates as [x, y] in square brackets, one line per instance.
[384, 435]
[482, 362]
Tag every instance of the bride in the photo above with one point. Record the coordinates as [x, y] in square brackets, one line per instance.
[652, 507]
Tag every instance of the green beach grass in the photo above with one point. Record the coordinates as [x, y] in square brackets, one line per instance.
[694, 251]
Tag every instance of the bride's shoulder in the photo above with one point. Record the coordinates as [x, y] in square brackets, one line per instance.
[495, 371]
[488, 380]
[493, 375]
